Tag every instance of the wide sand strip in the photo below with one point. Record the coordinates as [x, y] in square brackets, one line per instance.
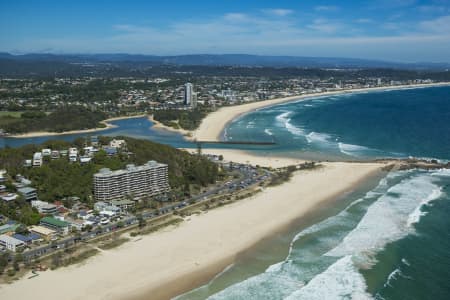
[212, 126]
[174, 260]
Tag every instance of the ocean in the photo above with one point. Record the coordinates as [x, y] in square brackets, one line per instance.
[393, 123]
[390, 239]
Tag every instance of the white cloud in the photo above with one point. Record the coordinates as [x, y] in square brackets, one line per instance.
[364, 21]
[441, 24]
[258, 34]
[324, 25]
[279, 12]
[236, 17]
[326, 8]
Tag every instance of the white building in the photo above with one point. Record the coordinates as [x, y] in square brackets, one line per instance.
[188, 93]
[135, 181]
[117, 143]
[37, 159]
[44, 207]
[10, 243]
[46, 152]
[73, 154]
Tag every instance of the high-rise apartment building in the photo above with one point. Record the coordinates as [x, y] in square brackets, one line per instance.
[150, 179]
[188, 93]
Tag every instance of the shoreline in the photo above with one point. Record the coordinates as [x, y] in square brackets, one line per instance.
[200, 247]
[160, 126]
[106, 122]
[213, 125]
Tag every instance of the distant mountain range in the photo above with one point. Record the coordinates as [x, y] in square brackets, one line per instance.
[243, 60]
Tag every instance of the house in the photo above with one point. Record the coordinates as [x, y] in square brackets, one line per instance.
[63, 153]
[55, 154]
[37, 159]
[110, 150]
[27, 239]
[119, 144]
[2, 188]
[94, 141]
[44, 207]
[44, 232]
[28, 193]
[55, 224]
[46, 152]
[28, 163]
[90, 151]
[77, 224]
[8, 228]
[2, 176]
[22, 181]
[73, 154]
[9, 197]
[105, 208]
[123, 204]
[11, 243]
[85, 159]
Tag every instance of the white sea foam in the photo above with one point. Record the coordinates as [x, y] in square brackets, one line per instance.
[388, 218]
[283, 117]
[415, 216]
[316, 137]
[268, 131]
[329, 277]
[293, 129]
[352, 150]
[340, 281]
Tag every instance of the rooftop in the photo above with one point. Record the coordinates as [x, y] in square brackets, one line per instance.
[26, 190]
[54, 222]
[42, 230]
[129, 168]
[10, 240]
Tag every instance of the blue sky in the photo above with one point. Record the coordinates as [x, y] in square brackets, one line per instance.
[397, 30]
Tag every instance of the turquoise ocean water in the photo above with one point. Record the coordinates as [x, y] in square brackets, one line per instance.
[390, 240]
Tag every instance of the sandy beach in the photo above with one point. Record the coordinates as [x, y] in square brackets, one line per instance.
[177, 259]
[106, 122]
[161, 126]
[245, 157]
[212, 126]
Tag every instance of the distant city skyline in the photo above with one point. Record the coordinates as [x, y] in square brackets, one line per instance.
[394, 30]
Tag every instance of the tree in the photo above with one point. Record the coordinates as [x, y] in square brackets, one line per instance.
[141, 221]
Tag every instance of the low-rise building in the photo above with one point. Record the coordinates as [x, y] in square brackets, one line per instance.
[55, 224]
[3, 174]
[27, 239]
[28, 193]
[37, 159]
[55, 154]
[101, 206]
[11, 243]
[73, 154]
[123, 204]
[46, 233]
[117, 143]
[46, 152]
[44, 207]
[9, 228]
[9, 197]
